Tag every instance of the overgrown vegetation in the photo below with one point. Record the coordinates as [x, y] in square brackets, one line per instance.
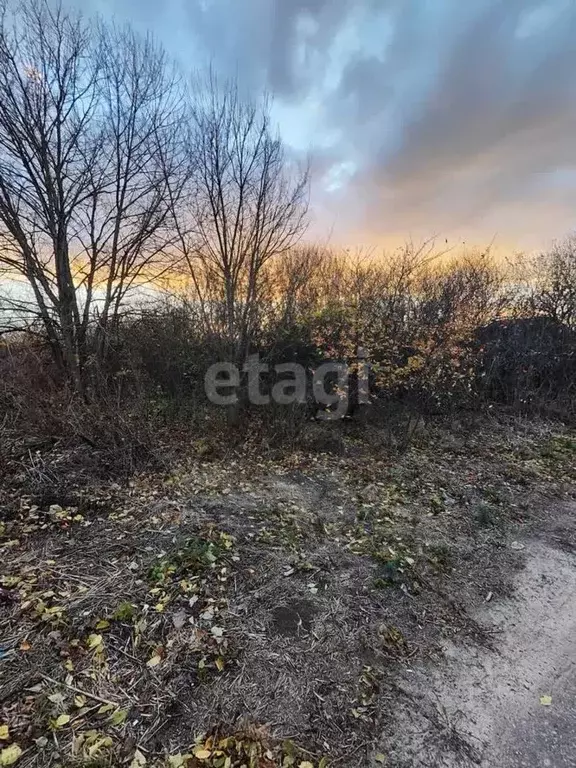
[122, 181]
[443, 336]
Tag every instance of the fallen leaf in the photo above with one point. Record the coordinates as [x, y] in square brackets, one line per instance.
[203, 754]
[9, 755]
[220, 663]
[138, 760]
[179, 619]
[25, 645]
[80, 701]
[94, 641]
[61, 721]
[380, 758]
[306, 764]
[179, 760]
[118, 717]
[546, 700]
[154, 661]
[102, 624]
[4, 733]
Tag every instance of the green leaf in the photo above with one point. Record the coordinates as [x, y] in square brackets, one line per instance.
[118, 717]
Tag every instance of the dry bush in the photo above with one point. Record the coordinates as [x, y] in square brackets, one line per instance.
[528, 363]
[40, 411]
[443, 333]
[553, 293]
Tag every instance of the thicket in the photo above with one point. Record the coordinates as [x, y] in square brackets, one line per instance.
[121, 178]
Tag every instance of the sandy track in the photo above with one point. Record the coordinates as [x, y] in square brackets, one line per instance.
[482, 706]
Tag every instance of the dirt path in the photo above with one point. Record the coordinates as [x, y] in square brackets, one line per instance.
[484, 706]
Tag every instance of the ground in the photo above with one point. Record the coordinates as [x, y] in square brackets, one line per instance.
[510, 704]
[359, 608]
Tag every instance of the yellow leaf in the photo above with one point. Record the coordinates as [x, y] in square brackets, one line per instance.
[61, 720]
[94, 641]
[179, 760]
[4, 732]
[202, 754]
[80, 701]
[154, 661]
[220, 663]
[306, 764]
[69, 665]
[546, 700]
[9, 755]
[101, 743]
[102, 624]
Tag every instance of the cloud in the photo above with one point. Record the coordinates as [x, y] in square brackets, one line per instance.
[422, 116]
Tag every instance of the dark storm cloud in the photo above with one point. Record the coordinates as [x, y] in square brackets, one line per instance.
[502, 109]
[420, 115]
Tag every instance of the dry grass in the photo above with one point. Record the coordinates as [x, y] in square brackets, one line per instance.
[252, 612]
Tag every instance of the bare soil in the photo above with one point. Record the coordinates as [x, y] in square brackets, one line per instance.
[510, 704]
[355, 609]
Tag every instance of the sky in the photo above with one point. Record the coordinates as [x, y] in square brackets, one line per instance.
[420, 118]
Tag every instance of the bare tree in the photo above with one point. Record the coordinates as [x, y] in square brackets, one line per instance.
[88, 148]
[127, 227]
[554, 293]
[248, 206]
